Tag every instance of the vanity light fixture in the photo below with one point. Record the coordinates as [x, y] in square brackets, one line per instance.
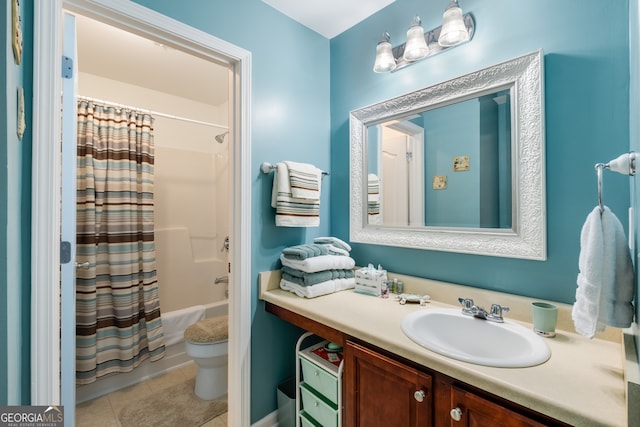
[416, 47]
[453, 30]
[384, 55]
[456, 29]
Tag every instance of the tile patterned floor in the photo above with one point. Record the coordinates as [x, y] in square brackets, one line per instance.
[103, 411]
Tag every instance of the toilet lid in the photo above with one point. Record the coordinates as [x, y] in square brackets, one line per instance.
[208, 331]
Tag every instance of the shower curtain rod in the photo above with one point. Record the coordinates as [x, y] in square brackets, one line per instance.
[153, 113]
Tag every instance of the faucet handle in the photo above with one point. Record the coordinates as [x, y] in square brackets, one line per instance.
[497, 311]
[466, 303]
[467, 306]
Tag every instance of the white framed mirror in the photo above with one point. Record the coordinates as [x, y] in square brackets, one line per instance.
[455, 167]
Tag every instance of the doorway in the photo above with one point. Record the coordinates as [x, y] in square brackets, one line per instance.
[187, 99]
[46, 186]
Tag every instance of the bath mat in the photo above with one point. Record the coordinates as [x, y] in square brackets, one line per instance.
[173, 406]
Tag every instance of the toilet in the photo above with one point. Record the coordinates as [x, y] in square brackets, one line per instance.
[206, 342]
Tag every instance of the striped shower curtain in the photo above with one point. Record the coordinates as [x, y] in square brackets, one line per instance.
[118, 321]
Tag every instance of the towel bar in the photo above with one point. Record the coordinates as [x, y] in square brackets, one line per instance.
[267, 167]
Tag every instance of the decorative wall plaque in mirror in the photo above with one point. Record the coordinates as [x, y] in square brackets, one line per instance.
[456, 167]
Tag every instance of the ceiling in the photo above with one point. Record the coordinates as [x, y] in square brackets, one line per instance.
[115, 54]
[328, 17]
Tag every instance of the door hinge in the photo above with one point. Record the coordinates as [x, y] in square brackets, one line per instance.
[409, 156]
[229, 268]
[67, 67]
[65, 252]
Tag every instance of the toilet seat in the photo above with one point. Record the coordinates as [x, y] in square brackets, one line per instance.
[208, 331]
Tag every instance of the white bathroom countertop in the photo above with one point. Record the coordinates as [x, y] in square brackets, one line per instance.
[581, 384]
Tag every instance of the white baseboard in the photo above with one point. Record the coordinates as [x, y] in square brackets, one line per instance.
[271, 420]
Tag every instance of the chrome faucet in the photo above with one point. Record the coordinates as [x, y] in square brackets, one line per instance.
[494, 315]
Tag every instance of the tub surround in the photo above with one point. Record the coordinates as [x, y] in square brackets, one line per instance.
[583, 383]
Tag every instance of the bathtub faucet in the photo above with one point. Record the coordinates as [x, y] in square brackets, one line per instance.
[221, 279]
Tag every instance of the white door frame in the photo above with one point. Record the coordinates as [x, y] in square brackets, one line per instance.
[45, 244]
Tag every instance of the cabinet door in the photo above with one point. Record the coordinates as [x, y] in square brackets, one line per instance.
[380, 391]
[474, 411]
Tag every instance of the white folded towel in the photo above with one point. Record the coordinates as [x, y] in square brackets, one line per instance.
[319, 289]
[319, 263]
[606, 279]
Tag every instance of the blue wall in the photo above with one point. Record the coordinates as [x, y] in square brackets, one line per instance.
[586, 49]
[290, 121]
[15, 217]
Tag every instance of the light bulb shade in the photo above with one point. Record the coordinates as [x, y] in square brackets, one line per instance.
[384, 58]
[416, 46]
[453, 29]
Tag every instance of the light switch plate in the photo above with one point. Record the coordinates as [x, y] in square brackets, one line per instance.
[16, 29]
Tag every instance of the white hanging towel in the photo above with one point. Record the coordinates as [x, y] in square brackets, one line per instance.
[606, 278]
[296, 195]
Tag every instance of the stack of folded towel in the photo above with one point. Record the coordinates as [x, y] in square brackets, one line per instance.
[373, 198]
[296, 194]
[317, 269]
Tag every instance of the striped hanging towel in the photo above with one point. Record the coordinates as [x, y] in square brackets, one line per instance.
[296, 195]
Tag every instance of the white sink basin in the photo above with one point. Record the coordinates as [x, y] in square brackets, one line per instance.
[483, 342]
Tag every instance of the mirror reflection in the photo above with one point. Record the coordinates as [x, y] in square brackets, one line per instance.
[448, 166]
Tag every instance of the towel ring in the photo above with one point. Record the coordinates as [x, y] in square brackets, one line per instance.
[624, 164]
[599, 168]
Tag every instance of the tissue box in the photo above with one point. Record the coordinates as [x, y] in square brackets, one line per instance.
[369, 281]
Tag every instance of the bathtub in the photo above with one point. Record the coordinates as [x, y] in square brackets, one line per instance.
[174, 357]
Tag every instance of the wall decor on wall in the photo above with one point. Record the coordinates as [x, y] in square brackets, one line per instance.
[460, 163]
[439, 182]
[16, 30]
[21, 125]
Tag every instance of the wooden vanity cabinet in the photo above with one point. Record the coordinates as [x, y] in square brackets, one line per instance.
[380, 391]
[468, 409]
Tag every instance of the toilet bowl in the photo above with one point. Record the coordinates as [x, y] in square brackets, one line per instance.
[206, 342]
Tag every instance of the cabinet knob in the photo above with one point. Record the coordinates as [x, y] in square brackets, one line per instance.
[315, 373]
[456, 414]
[419, 395]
